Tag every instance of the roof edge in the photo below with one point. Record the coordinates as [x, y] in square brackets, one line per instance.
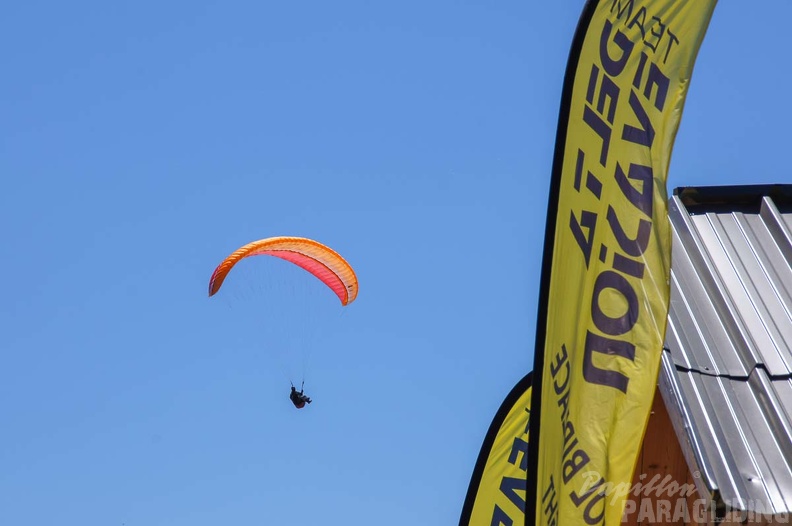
[739, 195]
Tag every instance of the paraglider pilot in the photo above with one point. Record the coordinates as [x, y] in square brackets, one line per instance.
[299, 399]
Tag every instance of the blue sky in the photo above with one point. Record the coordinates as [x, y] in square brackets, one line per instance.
[141, 142]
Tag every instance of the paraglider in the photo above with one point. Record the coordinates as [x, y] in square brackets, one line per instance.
[298, 399]
[319, 260]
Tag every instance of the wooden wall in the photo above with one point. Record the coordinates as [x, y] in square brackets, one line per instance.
[671, 499]
[663, 503]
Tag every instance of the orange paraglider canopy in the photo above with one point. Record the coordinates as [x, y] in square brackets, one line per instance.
[318, 259]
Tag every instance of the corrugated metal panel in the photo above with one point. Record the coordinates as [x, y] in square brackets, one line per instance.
[727, 370]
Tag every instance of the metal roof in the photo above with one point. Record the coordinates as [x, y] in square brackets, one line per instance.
[726, 376]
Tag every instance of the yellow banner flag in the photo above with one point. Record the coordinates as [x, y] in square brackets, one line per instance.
[496, 494]
[605, 277]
